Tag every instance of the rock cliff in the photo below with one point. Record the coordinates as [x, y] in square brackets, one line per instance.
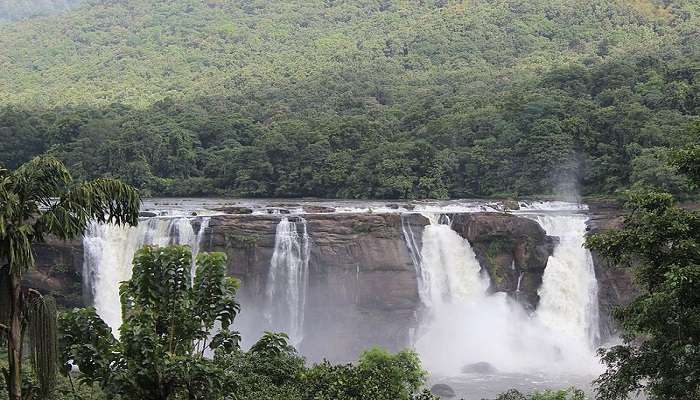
[362, 278]
[362, 282]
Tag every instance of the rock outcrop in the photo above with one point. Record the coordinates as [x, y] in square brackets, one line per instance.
[514, 251]
[362, 281]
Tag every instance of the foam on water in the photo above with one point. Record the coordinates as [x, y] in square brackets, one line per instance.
[463, 324]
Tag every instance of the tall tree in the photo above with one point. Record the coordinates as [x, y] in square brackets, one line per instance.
[36, 200]
[661, 350]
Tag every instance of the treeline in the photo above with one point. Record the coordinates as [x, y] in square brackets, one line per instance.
[380, 99]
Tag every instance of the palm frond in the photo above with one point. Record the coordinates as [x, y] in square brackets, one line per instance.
[43, 340]
[41, 179]
[101, 200]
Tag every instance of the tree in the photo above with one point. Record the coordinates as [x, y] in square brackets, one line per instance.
[661, 350]
[566, 394]
[36, 200]
[169, 324]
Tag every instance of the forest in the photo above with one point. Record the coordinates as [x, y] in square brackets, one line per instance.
[356, 99]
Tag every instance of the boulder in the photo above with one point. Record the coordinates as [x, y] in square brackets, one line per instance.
[318, 209]
[511, 205]
[443, 391]
[277, 211]
[147, 214]
[234, 210]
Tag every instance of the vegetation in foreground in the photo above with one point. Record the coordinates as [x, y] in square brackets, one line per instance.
[660, 356]
[165, 351]
[39, 199]
[356, 99]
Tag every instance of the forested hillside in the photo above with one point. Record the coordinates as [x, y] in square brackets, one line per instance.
[362, 98]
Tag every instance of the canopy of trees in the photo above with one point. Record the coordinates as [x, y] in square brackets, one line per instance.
[371, 98]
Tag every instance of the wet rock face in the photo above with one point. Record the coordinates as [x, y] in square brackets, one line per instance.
[513, 250]
[615, 285]
[362, 281]
[58, 271]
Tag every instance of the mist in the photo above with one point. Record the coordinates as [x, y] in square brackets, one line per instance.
[11, 10]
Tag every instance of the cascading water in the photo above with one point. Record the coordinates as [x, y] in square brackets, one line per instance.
[287, 280]
[464, 325]
[197, 244]
[450, 270]
[109, 251]
[569, 291]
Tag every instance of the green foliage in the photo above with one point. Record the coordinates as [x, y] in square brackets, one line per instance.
[567, 394]
[64, 389]
[38, 199]
[686, 161]
[168, 317]
[43, 340]
[361, 99]
[386, 376]
[17, 9]
[661, 327]
[272, 370]
[167, 321]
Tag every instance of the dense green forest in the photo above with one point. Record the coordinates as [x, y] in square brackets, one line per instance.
[368, 98]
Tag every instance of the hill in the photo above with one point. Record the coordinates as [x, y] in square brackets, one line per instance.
[370, 98]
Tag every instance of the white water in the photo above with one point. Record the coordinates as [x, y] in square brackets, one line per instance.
[569, 291]
[463, 324]
[197, 244]
[109, 251]
[450, 271]
[287, 280]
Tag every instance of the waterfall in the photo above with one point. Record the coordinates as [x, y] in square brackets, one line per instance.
[463, 324]
[197, 244]
[569, 291]
[108, 255]
[450, 270]
[287, 280]
[415, 252]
